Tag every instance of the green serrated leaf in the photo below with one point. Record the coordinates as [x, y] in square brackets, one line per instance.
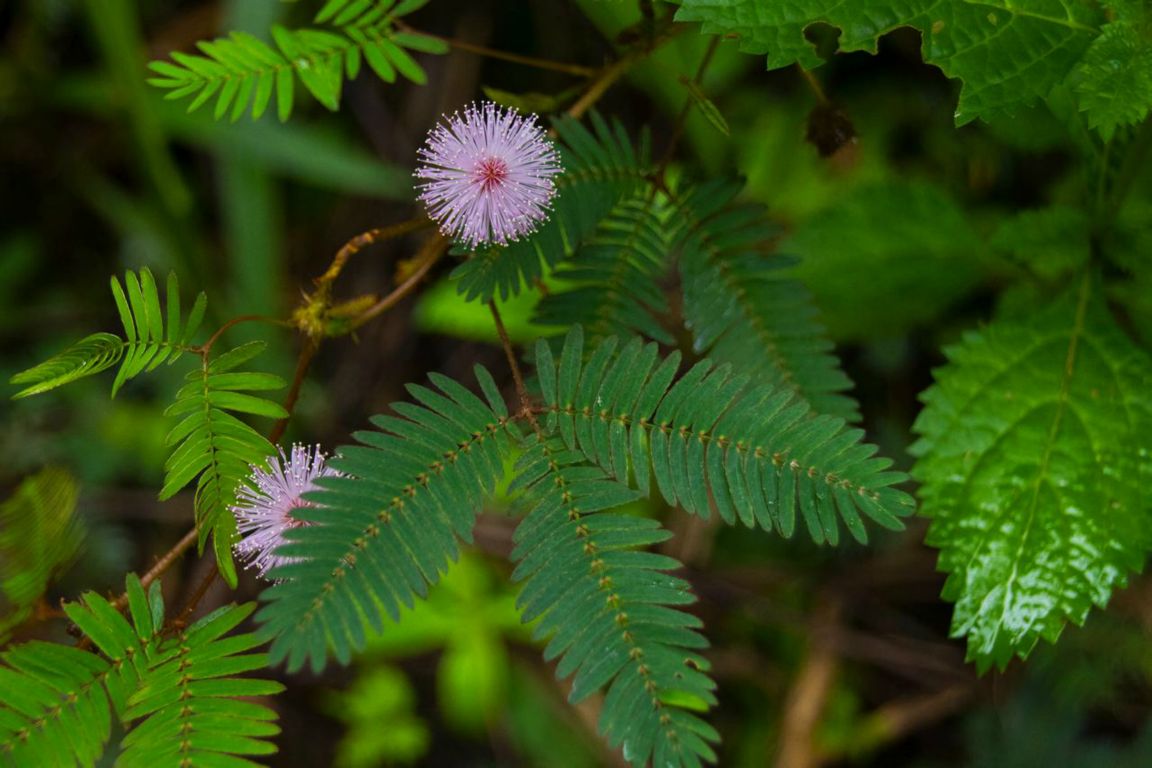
[1114, 79]
[1033, 458]
[1008, 54]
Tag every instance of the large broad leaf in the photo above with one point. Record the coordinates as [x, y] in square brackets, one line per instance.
[1007, 53]
[1034, 456]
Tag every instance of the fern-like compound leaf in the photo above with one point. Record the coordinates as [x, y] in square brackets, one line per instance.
[613, 278]
[189, 700]
[149, 339]
[59, 702]
[754, 454]
[40, 536]
[243, 73]
[150, 343]
[211, 445]
[601, 167]
[89, 356]
[1034, 462]
[385, 530]
[744, 308]
[608, 608]
[1007, 54]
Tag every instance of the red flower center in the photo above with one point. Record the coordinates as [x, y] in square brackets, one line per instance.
[491, 172]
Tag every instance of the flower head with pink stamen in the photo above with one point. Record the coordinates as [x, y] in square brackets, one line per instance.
[487, 175]
[265, 504]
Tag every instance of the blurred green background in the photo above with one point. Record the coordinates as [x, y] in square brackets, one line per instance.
[847, 646]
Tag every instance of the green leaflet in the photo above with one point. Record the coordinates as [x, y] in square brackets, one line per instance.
[710, 441]
[614, 419]
[40, 536]
[190, 702]
[385, 531]
[612, 280]
[1008, 54]
[154, 333]
[606, 607]
[60, 702]
[601, 167]
[243, 73]
[744, 306]
[1033, 458]
[215, 448]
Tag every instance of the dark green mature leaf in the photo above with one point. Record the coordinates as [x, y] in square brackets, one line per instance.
[743, 305]
[754, 454]
[1034, 462]
[59, 702]
[40, 536]
[189, 699]
[611, 284]
[606, 607]
[385, 530]
[601, 168]
[1007, 54]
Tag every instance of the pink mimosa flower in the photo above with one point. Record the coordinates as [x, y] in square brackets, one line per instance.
[264, 505]
[486, 176]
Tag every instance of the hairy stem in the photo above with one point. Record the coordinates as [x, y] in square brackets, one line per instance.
[521, 390]
[303, 362]
[204, 349]
[429, 254]
[359, 243]
[163, 564]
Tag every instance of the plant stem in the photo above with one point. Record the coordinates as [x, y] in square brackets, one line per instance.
[206, 347]
[814, 84]
[610, 73]
[303, 361]
[163, 564]
[678, 126]
[517, 377]
[492, 53]
[359, 243]
[604, 80]
[430, 253]
[201, 590]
